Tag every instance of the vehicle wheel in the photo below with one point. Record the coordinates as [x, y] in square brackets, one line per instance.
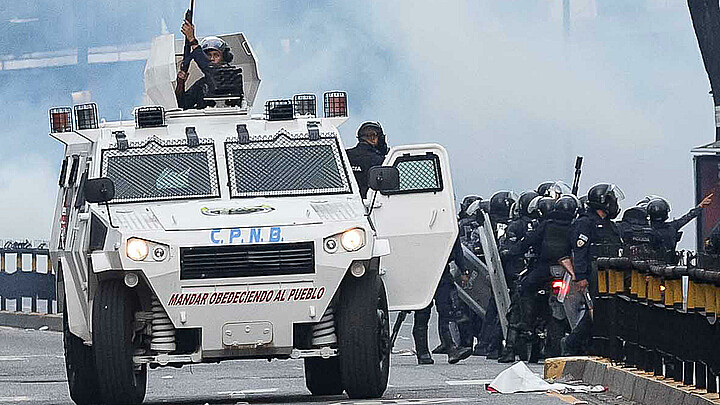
[114, 341]
[80, 366]
[364, 335]
[322, 376]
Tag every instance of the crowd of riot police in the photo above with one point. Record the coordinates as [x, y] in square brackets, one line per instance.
[549, 241]
[543, 235]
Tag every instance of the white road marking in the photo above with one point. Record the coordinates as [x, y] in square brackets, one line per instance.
[29, 356]
[405, 401]
[245, 393]
[468, 382]
[14, 399]
[167, 377]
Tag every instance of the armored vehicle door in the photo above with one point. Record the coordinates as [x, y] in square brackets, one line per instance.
[70, 239]
[419, 221]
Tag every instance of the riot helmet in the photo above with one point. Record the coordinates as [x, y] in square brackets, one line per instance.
[543, 187]
[636, 215]
[582, 209]
[566, 206]
[484, 205]
[367, 128]
[644, 202]
[217, 44]
[605, 196]
[500, 204]
[475, 210]
[466, 201]
[553, 189]
[524, 202]
[658, 209]
[545, 205]
[514, 211]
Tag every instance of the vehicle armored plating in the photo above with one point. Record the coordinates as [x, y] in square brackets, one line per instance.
[197, 236]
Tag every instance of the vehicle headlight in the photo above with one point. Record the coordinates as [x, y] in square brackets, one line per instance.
[137, 249]
[353, 239]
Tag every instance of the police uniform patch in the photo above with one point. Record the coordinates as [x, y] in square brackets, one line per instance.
[582, 239]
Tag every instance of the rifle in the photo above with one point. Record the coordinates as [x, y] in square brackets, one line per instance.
[578, 171]
[186, 52]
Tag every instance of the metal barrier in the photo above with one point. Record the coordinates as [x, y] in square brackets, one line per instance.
[659, 318]
[26, 272]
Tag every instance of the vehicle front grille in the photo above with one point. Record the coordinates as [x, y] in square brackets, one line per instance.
[274, 259]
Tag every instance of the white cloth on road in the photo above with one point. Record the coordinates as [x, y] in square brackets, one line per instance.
[519, 378]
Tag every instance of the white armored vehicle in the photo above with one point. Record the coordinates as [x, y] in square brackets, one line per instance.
[197, 236]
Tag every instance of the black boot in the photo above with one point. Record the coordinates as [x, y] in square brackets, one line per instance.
[446, 342]
[420, 335]
[459, 353]
[508, 352]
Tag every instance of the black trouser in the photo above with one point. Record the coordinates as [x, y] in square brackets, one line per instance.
[491, 332]
[421, 319]
[444, 307]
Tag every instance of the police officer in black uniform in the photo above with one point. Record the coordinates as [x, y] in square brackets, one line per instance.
[370, 151]
[471, 323]
[593, 235]
[499, 209]
[668, 232]
[551, 243]
[211, 51]
[513, 255]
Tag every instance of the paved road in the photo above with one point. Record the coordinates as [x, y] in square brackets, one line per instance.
[32, 372]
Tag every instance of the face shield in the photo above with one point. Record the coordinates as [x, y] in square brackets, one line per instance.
[615, 195]
[558, 189]
[533, 207]
[474, 211]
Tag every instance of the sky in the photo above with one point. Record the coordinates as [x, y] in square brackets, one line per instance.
[511, 94]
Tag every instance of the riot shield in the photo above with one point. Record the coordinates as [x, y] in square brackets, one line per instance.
[576, 303]
[476, 292]
[495, 271]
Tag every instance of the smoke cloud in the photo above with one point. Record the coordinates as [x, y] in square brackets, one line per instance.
[511, 94]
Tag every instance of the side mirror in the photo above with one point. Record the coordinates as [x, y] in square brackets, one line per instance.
[384, 178]
[99, 190]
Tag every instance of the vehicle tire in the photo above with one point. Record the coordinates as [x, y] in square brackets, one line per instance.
[364, 335]
[322, 376]
[80, 366]
[114, 341]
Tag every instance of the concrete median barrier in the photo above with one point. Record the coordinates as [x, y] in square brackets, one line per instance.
[29, 320]
[632, 384]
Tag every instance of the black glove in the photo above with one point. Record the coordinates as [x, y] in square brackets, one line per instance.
[382, 145]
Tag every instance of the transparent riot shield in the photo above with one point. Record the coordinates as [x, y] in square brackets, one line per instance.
[476, 291]
[577, 303]
[495, 271]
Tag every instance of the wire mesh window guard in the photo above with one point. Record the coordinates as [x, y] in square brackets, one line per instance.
[286, 165]
[162, 170]
[418, 174]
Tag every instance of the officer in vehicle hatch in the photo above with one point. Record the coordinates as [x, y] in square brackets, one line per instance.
[593, 235]
[211, 51]
[668, 232]
[370, 151]
[512, 253]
